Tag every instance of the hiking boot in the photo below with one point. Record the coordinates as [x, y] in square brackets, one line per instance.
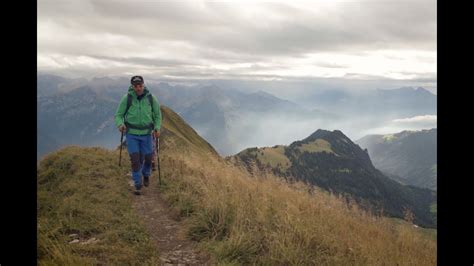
[137, 190]
[146, 181]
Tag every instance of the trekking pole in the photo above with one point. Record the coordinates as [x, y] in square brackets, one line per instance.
[157, 140]
[121, 141]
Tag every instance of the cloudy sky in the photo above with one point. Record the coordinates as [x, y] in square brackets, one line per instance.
[249, 40]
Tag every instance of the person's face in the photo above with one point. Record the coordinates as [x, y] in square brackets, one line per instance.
[138, 88]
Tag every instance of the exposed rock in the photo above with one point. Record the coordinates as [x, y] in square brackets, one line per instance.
[165, 260]
[90, 241]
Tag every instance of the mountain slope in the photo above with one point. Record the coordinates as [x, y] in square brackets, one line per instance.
[179, 135]
[240, 219]
[225, 117]
[333, 162]
[409, 156]
[79, 116]
[404, 102]
[48, 84]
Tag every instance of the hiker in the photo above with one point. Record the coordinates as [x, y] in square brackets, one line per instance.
[139, 116]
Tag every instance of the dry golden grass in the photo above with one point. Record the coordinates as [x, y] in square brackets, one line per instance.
[264, 220]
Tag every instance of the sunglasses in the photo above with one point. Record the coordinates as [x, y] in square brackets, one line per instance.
[138, 85]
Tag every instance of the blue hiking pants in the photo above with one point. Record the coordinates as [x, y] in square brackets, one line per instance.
[140, 150]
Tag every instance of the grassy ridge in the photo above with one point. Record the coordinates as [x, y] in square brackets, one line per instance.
[179, 135]
[83, 194]
[243, 220]
[330, 160]
[240, 219]
[276, 158]
[263, 220]
[83, 191]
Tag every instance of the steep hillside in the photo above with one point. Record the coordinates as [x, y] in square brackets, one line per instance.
[409, 157]
[330, 160]
[178, 135]
[240, 219]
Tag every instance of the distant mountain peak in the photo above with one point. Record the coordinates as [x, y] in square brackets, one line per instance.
[404, 89]
[264, 93]
[407, 89]
[83, 90]
[323, 133]
[320, 133]
[423, 91]
[164, 84]
[330, 160]
[210, 86]
[102, 79]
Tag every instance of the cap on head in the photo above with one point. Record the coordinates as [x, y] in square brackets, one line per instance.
[136, 80]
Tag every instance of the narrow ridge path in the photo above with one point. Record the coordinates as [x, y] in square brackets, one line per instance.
[165, 228]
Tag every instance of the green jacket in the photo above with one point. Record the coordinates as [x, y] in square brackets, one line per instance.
[139, 114]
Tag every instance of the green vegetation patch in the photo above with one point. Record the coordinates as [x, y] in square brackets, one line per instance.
[319, 145]
[389, 137]
[428, 233]
[85, 213]
[274, 156]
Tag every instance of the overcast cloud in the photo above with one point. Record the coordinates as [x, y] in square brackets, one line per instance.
[417, 119]
[397, 125]
[246, 40]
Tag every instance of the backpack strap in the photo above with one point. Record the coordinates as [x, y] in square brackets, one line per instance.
[129, 103]
[150, 99]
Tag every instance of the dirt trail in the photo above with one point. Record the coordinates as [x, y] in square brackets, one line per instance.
[165, 229]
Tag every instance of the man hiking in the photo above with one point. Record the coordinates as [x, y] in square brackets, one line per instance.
[139, 116]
